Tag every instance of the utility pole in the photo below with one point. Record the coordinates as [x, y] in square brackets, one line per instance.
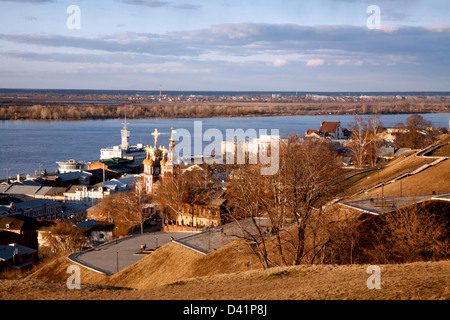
[401, 186]
[15, 252]
[7, 174]
[117, 250]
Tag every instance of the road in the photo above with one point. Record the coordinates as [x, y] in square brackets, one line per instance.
[114, 256]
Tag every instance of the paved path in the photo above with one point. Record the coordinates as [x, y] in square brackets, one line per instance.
[377, 206]
[117, 255]
[215, 238]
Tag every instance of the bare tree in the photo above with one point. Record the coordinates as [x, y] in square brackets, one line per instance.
[126, 209]
[182, 188]
[313, 178]
[419, 133]
[64, 238]
[415, 233]
[365, 141]
[246, 204]
[307, 178]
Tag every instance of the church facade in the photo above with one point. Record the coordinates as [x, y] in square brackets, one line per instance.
[159, 161]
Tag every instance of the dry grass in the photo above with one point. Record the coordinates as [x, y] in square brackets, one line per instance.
[436, 178]
[443, 151]
[170, 263]
[432, 179]
[173, 262]
[420, 280]
[56, 270]
[175, 272]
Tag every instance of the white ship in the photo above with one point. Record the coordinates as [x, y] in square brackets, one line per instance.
[136, 153]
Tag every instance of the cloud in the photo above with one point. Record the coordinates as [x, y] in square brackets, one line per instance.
[279, 62]
[248, 44]
[31, 18]
[186, 6]
[314, 62]
[159, 4]
[29, 1]
[146, 3]
[249, 39]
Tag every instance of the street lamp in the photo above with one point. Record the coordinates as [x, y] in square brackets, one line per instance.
[117, 250]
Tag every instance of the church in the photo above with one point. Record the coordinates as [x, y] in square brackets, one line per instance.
[159, 161]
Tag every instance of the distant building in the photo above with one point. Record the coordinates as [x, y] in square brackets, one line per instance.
[329, 130]
[96, 232]
[159, 161]
[121, 184]
[72, 165]
[23, 228]
[85, 194]
[39, 209]
[69, 178]
[7, 237]
[34, 191]
[115, 166]
[200, 215]
[389, 152]
[252, 147]
[16, 256]
[97, 213]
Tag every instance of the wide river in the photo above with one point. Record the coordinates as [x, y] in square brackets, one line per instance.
[28, 147]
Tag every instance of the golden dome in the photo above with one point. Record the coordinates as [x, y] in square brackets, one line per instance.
[148, 162]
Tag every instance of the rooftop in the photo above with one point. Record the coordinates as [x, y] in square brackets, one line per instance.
[7, 252]
[329, 126]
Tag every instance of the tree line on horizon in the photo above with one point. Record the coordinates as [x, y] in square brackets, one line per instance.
[206, 110]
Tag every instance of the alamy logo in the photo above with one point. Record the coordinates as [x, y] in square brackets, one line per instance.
[238, 147]
[74, 281]
[374, 20]
[374, 281]
[74, 20]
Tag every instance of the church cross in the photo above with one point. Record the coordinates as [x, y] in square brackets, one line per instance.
[164, 150]
[156, 135]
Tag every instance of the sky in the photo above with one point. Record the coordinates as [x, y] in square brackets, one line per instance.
[226, 45]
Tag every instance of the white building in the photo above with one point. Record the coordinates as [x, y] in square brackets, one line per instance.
[84, 194]
[72, 166]
[250, 147]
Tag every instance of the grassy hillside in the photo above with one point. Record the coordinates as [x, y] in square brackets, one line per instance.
[420, 280]
[170, 263]
[434, 179]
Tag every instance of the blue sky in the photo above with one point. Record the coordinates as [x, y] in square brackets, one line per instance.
[280, 45]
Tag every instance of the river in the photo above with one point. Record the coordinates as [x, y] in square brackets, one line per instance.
[29, 147]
